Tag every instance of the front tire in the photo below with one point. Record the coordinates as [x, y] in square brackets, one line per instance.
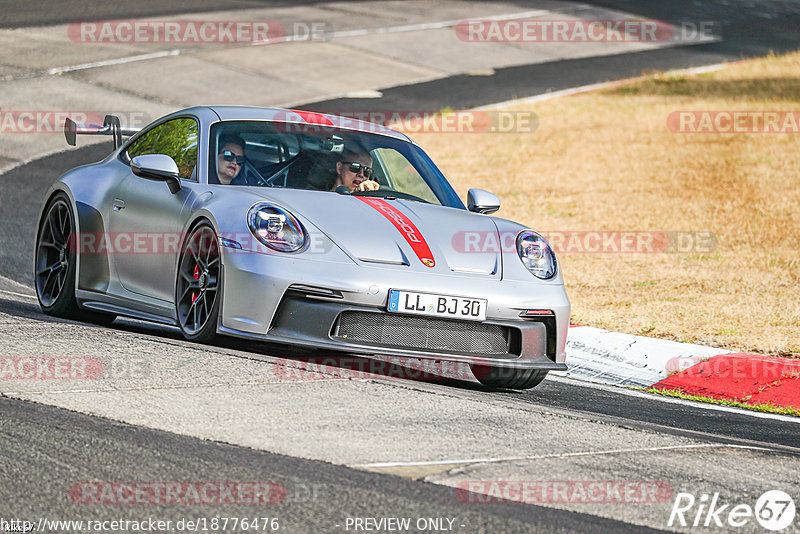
[507, 378]
[197, 288]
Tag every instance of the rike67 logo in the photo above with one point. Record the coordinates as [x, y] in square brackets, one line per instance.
[774, 510]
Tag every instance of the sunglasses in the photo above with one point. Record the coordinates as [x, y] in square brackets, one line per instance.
[227, 155]
[355, 168]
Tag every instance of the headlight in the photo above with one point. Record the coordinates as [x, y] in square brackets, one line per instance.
[276, 228]
[536, 254]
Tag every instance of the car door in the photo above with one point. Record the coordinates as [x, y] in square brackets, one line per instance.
[145, 215]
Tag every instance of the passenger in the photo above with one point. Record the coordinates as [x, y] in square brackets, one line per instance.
[354, 171]
[230, 159]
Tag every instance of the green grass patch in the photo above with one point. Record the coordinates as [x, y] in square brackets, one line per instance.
[769, 408]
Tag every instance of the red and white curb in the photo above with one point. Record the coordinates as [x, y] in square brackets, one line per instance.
[616, 359]
[619, 359]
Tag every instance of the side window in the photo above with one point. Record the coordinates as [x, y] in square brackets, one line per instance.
[176, 138]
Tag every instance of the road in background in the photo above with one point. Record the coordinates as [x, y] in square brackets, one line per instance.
[41, 13]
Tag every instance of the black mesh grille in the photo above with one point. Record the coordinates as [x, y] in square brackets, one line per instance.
[403, 331]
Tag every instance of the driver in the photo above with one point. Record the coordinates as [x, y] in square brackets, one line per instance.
[230, 159]
[354, 171]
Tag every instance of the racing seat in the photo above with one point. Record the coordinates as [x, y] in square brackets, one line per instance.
[297, 177]
[322, 174]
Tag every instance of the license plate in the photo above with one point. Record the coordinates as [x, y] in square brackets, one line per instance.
[437, 305]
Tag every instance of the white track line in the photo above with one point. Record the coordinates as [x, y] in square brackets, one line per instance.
[117, 61]
[23, 295]
[558, 455]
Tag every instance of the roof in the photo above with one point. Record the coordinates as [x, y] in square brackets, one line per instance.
[303, 117]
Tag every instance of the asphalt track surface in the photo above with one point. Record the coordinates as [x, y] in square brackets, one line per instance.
[317, 492]
[136, 453]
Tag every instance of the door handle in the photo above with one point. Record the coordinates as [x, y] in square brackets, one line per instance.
[118, 204]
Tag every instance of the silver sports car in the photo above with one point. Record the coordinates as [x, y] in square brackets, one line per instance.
[299, 228]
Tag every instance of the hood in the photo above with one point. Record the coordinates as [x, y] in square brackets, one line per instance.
[401, 234]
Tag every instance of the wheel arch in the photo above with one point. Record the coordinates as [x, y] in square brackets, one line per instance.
[55, 190]
[197, 218]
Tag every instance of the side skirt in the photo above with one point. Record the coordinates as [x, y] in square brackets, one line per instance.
[125, 307]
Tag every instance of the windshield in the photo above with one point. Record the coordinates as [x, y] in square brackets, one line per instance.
[302, 156]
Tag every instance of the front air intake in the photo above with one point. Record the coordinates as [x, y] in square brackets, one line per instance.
[423, 333]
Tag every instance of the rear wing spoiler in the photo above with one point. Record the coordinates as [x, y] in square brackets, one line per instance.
[110, 126]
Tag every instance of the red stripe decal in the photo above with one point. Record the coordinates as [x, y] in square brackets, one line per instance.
[407, 228]
[313, 118]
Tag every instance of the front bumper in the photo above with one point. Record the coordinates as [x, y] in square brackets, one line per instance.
[262, 300]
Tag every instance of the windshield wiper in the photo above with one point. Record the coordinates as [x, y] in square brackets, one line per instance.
[389, 194]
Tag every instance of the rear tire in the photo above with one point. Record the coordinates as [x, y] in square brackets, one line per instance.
[55, 265]
[507, 378]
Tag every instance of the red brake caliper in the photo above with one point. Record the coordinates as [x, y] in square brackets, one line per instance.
[196, 276]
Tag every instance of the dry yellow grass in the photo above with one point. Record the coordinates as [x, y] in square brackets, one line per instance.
[607, 161]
